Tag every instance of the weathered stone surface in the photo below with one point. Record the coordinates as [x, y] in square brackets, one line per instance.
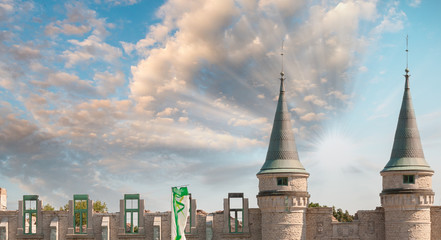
[394, 180]
[296, 182]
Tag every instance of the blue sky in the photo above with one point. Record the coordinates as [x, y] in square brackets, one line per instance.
[126, 96]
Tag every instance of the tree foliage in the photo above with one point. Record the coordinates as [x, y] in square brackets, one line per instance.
[311, 204]
[338, 214]
[100, 207]
[48, 207]
[65, 207]
[342, 217]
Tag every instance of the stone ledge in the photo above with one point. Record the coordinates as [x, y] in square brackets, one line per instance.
[79, 236]
[236, 235]
[192, 236]
[29, 236]
[283, 193]
[131, 236]
[407, 191]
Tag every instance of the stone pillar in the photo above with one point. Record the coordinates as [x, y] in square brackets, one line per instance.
[70, 223]
[20, 217]
[245, 217]
[121, 227]
[209, 227]
[90, 218]
[3, 199]
[193, 215]
[105, 228]
[39, 217]
[226, 216]
[4, 229]
[54, 229]
[157, 228]
[141, 216]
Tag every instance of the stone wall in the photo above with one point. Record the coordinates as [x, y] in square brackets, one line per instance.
[320, 225]
[9, 217]
[407, 224]
[435, 219]
[296, 182]
[371, 224]
[199, 229]
[394, 180]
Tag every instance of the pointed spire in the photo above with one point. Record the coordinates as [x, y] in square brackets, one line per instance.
[407, 151]
[282, 156]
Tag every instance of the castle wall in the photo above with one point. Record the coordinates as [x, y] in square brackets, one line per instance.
[219, 233]
[371, 224]
[116, 226]
[319, 223]
[322, 226]
[48, 216]
[11, 218]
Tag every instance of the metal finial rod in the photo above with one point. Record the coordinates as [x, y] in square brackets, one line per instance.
[282, 55]
[406, 86]
[407, 51]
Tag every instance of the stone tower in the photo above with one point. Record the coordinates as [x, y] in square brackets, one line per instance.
[407, 180]
[283, 188]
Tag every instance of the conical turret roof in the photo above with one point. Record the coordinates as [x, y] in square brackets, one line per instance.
[282, 156]
[407, 151]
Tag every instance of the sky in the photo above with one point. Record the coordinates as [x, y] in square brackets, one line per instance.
[110, 97]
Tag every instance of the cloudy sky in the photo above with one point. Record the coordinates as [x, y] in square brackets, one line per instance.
[129, 96]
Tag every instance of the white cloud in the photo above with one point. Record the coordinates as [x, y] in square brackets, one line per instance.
[312, 117]
[415, 3]
[69, 82]
[339, 95]
[21, 52]
[90, 49]
[247, 122]
[66, 28]
[122, 2]
[392, 22]
[6, 7]
[108, 83]
[167, 112]
[298, 110]
[363, 69]
[315, 100]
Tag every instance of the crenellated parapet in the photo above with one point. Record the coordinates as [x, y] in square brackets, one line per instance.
[288, 202]
[407, 200]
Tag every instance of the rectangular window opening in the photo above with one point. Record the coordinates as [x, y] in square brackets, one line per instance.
[282, 181]
[235, 204]
[81, 209]
[131, 208]
[409, 179]
[30, 214]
